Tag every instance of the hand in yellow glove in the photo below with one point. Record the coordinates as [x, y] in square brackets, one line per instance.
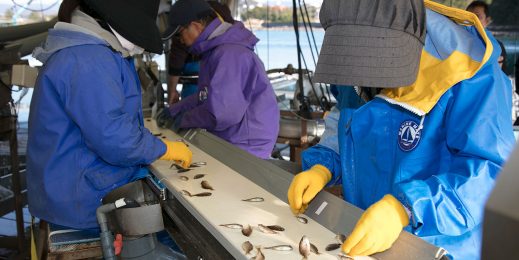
[377, 228]
[178, 152]
[305, 186]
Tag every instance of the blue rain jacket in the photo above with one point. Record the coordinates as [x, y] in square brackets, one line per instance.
[86, 132]
[436, 145]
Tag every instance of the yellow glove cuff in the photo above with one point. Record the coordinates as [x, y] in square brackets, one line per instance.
[399, 209]
[323, 171]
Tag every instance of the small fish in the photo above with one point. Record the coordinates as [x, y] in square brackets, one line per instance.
[332, 247]
[187, 193]
[198, 176]
[314, 249]
[247, 247]
[254, 199]
[280, 248]
[163, 137]
[304, 247]
[276, 227]
[259, 255]
[340, 238]
[202, 194]
[342, 256]
[232, 226]
[246, 230]
[183, 170]
[266, 230]
[198, 164]
[183, 141]
[302, 219]
[184, 178]
[206, 185]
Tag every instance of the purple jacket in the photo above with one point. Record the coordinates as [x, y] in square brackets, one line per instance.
[235, 100]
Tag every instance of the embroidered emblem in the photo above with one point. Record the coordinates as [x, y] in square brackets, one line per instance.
[408, 135]
[202, 95]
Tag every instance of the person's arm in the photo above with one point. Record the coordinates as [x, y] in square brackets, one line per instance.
[226, 102]
[173, 95]
[177, 59]
[95, 101]
[326, 153]
[480, 138]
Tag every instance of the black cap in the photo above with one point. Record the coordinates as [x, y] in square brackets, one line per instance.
[135, 20]
[183, 12]
[371, 43]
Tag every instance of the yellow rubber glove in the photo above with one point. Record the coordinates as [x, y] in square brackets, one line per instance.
[305, 186]
[178, 152]
[377, 228]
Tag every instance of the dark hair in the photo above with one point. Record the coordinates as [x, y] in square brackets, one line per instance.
[206, 20]
[475, 4]
[223, 10]
[68, 6]
[503, 53]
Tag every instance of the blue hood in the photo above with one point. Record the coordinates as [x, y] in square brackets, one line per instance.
[59, 39]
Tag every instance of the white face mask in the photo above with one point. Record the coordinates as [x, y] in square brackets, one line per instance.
[127, 45]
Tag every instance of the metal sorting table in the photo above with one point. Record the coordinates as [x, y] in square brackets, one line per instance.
[194, 222]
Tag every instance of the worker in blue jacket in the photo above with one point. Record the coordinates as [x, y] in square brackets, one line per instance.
[86, 130]
[419, 144]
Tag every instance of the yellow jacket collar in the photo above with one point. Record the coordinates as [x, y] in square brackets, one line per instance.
[436, 76]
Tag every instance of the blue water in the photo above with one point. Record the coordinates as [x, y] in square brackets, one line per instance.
[278, 48]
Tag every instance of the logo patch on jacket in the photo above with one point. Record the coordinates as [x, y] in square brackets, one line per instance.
[202, 95]
[408, 135]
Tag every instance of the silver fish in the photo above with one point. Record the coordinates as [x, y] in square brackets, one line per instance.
[198, 176]
[340, 238]
[184, 178]
[314, 249]
[246, 230]
[332, 247]
[304, 247]
[206, 185]
[302, 219]
[254, 199]
[266, 230]
[183, 170]
[202, 194]
[259, 255]
[280, 248]
[342, 256]
[198, 164]
[232, 226]
[187, 193]
[247, 247]
[276, 228]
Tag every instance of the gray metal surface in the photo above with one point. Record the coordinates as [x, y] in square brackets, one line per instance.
[337, 216]
[142, 220]
[501, 222]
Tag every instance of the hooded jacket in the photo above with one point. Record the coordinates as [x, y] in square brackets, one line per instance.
[86, 132]
[436, 145]
[235, 100]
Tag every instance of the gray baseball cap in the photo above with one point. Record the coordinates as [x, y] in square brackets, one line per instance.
[371, 43]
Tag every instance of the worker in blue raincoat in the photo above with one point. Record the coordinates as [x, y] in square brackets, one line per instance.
[419, 144]
[86, 130]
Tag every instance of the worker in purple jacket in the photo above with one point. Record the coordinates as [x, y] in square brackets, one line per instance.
[235, 100]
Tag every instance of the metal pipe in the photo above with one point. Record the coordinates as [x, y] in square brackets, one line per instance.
[28, 44]
[291, 128]
[13, 33]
